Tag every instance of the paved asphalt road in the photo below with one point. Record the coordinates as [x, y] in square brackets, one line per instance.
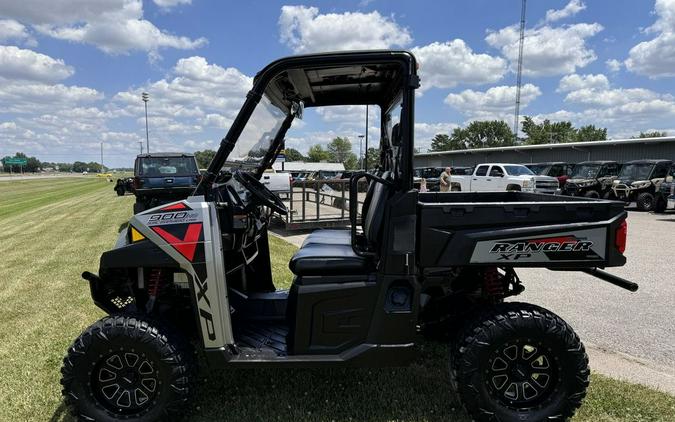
[640, 324]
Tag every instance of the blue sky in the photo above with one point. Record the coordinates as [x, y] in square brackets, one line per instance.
[71, 72]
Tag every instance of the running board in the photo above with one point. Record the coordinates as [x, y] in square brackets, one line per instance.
[363, 355]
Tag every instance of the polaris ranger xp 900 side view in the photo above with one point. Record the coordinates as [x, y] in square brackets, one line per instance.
[196, 273]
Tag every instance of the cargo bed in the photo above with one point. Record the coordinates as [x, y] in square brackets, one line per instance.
[517, 229]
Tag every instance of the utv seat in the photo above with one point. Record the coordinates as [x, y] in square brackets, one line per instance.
[327, 259]
[324, 259]
[338, 236]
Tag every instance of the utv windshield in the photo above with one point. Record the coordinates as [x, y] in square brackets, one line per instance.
[518, 171]
[636, 171]
[586, 171]
[540, 169]
[257, 135]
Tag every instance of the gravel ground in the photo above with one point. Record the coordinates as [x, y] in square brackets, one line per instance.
[640, 324]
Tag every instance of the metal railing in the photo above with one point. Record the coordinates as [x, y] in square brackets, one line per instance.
[320, 203]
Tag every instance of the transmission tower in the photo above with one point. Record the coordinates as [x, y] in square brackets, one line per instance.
[519, 79]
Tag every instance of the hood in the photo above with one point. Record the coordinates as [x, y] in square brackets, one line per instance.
[577, 181]
[546, 179]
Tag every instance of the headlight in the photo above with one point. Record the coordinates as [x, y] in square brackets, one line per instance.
[526, 183]
[641, 184]
[585, 183]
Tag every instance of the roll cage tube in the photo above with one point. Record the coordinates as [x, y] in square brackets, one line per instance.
[262, 79]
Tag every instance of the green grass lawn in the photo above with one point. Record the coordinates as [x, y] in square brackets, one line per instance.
[51, 231]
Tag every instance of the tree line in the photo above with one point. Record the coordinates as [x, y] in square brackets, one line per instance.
[497, 133]
[338, 150]
[33, 165]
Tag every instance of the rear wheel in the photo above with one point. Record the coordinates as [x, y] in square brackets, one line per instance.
[123, 367]
[645, 201]
[592, 194]
[119, 190]
[519, 362]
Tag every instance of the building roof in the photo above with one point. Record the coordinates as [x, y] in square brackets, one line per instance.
[302, 166]
[572, 145]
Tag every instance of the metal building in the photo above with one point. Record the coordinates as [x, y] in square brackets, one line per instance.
[620, 150]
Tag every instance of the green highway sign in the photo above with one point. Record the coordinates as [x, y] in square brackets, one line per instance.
[15, 161]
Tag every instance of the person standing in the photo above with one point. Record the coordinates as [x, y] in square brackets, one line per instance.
[444, 179]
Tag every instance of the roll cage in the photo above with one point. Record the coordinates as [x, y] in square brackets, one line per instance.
[384, 78]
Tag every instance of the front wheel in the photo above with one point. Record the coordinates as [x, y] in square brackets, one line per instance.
[592, 194]
[519, 362]
[124, 368]
[645, 201]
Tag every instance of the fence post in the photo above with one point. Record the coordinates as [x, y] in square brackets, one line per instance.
[316, 189]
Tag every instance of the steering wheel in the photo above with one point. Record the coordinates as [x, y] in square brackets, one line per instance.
[260, 192]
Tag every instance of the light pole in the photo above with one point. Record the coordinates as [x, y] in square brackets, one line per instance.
[101, 156]
[141, 144]
[146, 97]
[361, 151]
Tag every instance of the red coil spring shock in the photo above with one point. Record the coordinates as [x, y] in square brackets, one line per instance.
[492, 282]
[154, 280]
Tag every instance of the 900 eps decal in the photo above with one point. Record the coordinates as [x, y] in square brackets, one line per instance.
[584, 245]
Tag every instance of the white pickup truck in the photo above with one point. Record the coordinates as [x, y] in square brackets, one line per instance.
[277, 182]
[493, 177]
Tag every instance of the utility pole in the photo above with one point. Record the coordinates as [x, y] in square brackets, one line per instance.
[360, 151]
[101, 156]
[146, 97]
[141, 144]
[519, 80]
[366, 159]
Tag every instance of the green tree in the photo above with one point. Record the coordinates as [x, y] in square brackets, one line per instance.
[204, 157]
[293, 154]
[548, 132]
[482, 134]
[317, 154]
[441, 142]
[339, 150]
[653, 134]
[351, 162]
[373, 158]
[591, 133]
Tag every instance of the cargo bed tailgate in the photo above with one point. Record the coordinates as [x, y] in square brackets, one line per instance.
[517, 229]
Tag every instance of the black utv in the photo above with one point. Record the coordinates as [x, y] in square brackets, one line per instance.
[196, 273]
[639, 181]
[592, 179]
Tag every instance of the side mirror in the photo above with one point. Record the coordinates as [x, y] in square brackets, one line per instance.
[298, 109]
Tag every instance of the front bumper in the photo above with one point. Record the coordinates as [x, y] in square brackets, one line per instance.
[624, 192]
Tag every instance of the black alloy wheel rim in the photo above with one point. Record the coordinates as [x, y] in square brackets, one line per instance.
[521, 374]
[125, 383]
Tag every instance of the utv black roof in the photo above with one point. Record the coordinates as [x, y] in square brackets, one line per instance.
[598, 162]
[648, 161]
[165, 154]
[336, 78]
[546, 163]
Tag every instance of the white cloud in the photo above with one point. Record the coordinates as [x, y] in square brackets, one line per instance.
[576, 82]
[447, 64]
[305, 30]
[115, 27]
[547, 50]
[31, 97]
[656, 58]
[496, 103]
[624, 111]
[613, 65]
[195, 90]
[13, 30]
[424, 133]
[168, 4]
[18, 63]
[571, 9]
